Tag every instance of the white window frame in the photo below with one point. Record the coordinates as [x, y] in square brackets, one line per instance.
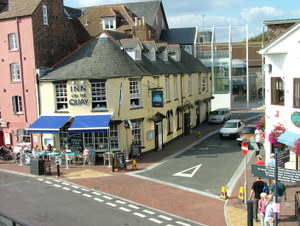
[137, 132]
[45, 15]
[17, 104]
[167, 85]
[175, 87]
[23, 136]
[114, 136]
[135, 93]
[99, 100]
[109, 23]
[15, 72]
[13, 41]
[61, 97]
[138, 54]
[204, 85]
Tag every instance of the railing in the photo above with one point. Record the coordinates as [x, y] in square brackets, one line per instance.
[297, 205]
[6, 220]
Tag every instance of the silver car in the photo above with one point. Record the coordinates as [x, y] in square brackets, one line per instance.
[231, 129]
[220, 115]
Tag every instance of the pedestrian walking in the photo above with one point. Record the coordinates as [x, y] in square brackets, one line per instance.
[271, 162]
[256, 190]
[269, 215]
[262, 207]
[258, 140]
[259, 160]
[281, 192]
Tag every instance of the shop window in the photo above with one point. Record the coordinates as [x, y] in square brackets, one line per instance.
[137, 132]
[296, 96]
[15, 72]
[135, 93]
[17, 104]
[13, 41]
[114, 136]
[61, 97]
[23, 136]
[99, 101]
[277, 91]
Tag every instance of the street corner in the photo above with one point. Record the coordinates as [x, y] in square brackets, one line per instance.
[88, 173]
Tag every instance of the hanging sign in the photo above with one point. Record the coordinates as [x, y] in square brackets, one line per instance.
[295, 118]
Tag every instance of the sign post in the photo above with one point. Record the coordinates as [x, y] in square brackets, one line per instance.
[245, 150]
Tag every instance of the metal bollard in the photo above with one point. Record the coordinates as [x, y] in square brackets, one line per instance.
[58, 169]
[250, 213]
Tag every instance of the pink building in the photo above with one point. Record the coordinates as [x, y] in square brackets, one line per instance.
[34, 35]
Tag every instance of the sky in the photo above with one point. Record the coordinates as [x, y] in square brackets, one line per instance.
[244, 17]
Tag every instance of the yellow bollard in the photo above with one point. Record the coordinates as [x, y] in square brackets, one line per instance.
[134, 164]
[224, 193]
[199, 134]
[241, 194]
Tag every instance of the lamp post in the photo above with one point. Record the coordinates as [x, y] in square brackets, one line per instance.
[276, 186]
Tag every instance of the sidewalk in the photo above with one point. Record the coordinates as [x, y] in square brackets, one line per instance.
[188, 205]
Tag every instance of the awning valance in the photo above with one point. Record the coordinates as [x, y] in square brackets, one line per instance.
[288, 138]
[90, 123]
[48, 124]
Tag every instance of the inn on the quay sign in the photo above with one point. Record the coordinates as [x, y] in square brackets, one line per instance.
[78, 94]
[295, 118]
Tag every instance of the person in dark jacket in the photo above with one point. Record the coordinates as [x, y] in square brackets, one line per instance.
[256, 190]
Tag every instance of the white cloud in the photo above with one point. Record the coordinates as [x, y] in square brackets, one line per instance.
[255, 15]
[296, 13]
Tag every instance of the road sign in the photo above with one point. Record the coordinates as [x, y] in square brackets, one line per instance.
[244, 148]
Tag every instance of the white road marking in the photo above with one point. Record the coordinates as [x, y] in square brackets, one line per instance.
[77, 192]
[155, 220]
[96, 193]
[165, 217]
[48, 182]
[134, 207]
[190, 175]
[73, 186]
[65, 188]
[57, 185]
[83, 189]
[99, 200]
[58, 181]
[181, 223]
[40, 179]
[139, 214]
[64, 183]
[121, 202]
[148, 211]
[111, 204]
[107, 197]
[125, 209]
[87, 195]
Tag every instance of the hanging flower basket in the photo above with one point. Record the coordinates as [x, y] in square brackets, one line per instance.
[297, 147]
[275, 133]
[261, 123]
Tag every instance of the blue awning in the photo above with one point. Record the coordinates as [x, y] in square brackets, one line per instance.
[288, 138]
[90, 123]
[48, 124]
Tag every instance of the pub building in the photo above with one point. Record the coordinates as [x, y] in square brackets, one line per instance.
[110, 94]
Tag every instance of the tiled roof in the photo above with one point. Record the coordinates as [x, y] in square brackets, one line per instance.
[102, 59]
[73, 13]
[20, 8]
[182, 36]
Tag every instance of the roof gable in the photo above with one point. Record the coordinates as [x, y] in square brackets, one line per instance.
[20, 8]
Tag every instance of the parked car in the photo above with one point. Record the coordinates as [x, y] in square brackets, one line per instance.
[247, 134]
[220, 115]
[231, 129]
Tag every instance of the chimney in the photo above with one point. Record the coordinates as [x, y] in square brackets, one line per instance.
[135, 21]
[143, 20]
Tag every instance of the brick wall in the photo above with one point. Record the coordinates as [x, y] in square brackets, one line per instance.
[54, 41]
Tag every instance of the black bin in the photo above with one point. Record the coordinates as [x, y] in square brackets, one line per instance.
[37, 166]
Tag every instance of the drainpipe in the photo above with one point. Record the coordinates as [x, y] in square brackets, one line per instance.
[21, 70]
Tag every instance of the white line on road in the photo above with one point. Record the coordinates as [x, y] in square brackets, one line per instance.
[57, 185]
[87, 195]
[48, 182]
[111, 204]
[139, 214]
[77, 192]
[64, 183]
[121, 202]
[96, 193]
[181, 223]
[165, 217]
[148, 211]
[155, 220]
[99, 200]
[107, 197]
[65, 188]
[134, 207]
[124, 209]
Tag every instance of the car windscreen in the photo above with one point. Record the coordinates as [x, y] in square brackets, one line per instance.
[217, 113]
[230, 125]
[248, 130]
